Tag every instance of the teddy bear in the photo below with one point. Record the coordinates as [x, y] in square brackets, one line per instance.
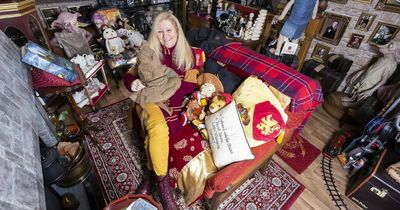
[135, 38]
[218, 101]
[114, 44]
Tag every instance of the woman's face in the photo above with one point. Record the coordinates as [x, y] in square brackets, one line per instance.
[167, 34]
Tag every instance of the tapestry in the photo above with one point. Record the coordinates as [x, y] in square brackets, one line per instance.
[298, 153]
[119, 167]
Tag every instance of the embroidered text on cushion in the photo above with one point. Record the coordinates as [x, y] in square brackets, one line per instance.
[227, 138]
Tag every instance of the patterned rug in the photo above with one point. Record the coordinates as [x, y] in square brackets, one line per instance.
[120, 167]
[298, 153]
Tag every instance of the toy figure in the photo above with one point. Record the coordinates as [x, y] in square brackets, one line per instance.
[73, 39]
[296, 23]
[114, 44]
[367, 81]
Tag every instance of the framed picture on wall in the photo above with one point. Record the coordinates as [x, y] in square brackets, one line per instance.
[365, 21]
[355, 41]
[364, 1]
[339, 1]
[333, 28]
[383, 33]
[50, 14]
[388, 5]
[319, 52]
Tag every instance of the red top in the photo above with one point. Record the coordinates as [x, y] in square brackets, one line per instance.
[175, 102]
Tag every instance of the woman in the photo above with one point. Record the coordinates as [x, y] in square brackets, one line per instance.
[170, 45]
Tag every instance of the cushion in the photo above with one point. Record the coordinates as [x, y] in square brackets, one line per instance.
[251, 92]
[228, 141]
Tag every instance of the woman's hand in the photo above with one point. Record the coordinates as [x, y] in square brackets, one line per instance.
[137, 85]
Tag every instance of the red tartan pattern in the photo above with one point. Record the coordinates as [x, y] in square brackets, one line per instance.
[305, 92]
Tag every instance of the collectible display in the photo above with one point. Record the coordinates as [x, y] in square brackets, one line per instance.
[44, 59]
[72, 39]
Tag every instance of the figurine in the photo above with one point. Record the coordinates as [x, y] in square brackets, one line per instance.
[73, 39]
[114, 44]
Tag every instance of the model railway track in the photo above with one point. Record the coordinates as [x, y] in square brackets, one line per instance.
[326, 165]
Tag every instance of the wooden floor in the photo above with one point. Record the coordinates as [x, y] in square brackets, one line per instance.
[318, 131]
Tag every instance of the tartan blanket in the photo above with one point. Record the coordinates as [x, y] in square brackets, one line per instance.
[305, 92]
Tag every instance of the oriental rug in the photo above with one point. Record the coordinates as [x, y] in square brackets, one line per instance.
[119, 167]
[298, 153]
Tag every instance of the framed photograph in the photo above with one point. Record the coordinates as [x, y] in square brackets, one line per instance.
[365, 21]
[383, 33]
[339, 1]
[50, 14]
[355, 41]
[333, 28]
[319, 52]
[388, 5]
[84, 10]
[364, 1]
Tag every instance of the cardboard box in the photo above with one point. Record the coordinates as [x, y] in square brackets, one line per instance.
[44, 59]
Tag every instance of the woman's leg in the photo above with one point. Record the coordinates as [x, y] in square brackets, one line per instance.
[157, 148]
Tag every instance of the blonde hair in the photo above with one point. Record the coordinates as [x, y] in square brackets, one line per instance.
[183, 56]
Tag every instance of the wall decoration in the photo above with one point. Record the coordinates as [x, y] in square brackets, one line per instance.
[364, 1]
[388, 5]
[333, 28]
[339, 1]
[365, 21]
[319, 52]
[383, 33]
[355, 41]
[50, 14]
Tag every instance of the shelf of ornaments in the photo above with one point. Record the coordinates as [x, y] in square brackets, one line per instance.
[259, 21]
[148, 3]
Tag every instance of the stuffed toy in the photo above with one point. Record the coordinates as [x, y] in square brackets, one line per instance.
[114, 44]
[72, 39]
[218, 101]
[135, 38]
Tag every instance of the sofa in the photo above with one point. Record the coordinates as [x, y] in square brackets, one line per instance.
[190, 156]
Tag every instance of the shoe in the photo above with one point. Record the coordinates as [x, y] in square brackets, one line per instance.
[146, 185]
[165, 191]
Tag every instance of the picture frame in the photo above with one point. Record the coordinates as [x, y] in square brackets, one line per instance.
[365, 21]
[383, 33]
[364, 1]
[355, 41]
[49, 15]
[333, 28]
[339, 1]
[319, 52]
[388, 5]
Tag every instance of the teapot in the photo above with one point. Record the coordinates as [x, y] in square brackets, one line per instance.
[80, 60]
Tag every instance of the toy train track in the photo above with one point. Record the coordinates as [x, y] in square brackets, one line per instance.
[326, 165]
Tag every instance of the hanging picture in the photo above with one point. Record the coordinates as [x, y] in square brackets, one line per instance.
[319, 52]
[365, 21]
[383, 33]
[355, 41]
[339, 1]
[333, 28]
[388, 5]
[50, 14]
[364, 1]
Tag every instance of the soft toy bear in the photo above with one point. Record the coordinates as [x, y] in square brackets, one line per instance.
[135, 38]
[114, 44]
[218, 101]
